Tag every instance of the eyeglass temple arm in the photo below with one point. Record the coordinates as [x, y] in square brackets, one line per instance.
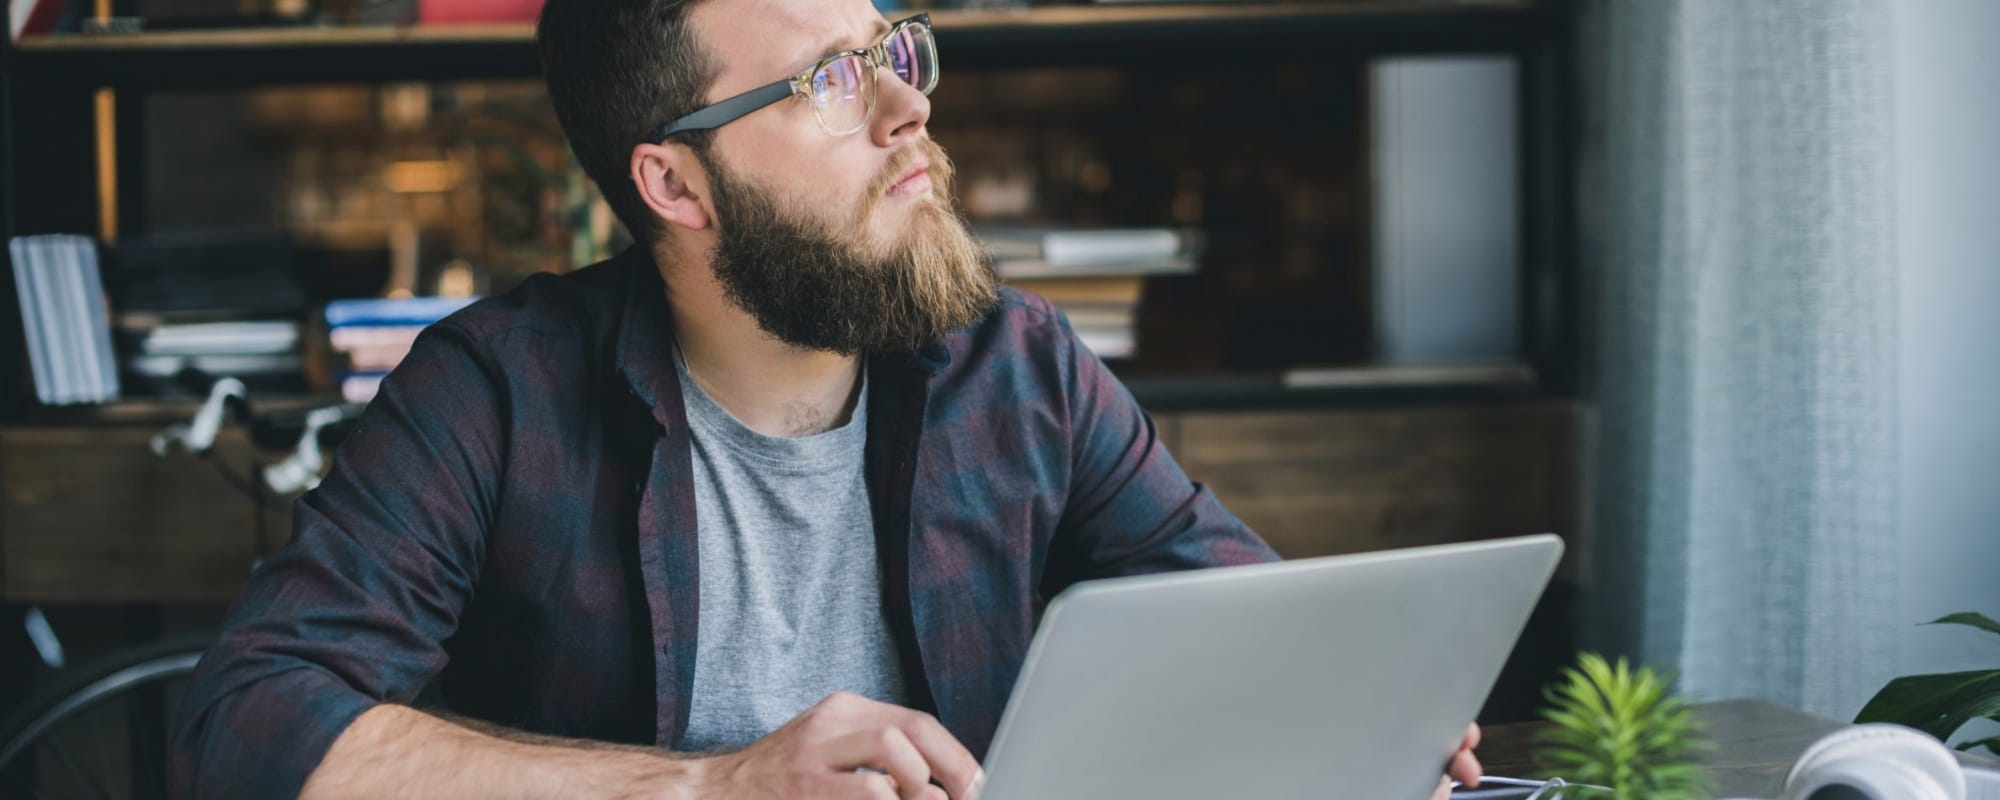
[727, 111]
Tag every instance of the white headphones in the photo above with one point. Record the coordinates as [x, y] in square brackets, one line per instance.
[1876, 762]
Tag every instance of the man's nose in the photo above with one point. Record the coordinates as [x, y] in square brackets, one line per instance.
[900, 110]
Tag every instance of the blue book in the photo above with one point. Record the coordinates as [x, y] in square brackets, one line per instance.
[401, 312]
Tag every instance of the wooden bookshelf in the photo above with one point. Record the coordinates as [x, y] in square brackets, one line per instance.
[1048, 35]
[53, 78]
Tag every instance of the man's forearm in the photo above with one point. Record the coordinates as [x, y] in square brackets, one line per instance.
[396, 751]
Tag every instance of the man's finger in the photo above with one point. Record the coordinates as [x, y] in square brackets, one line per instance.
[1465, 767]
[1471, 737]
[886, 750]
[863, 786]
[1443, 791]
[950, 762]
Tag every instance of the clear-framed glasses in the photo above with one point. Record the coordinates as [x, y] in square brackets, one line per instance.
[841, 87]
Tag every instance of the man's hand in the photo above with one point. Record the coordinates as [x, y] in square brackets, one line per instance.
[1464, 766]
[849, 747]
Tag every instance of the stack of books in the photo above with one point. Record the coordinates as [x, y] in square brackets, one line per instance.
[219, 301]
[1097, 277]
[66, 319]
[375, 336]
[241, 349]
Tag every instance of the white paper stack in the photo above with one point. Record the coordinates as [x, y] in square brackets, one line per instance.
[66, 319]
[1040, 253]
[1095, 276]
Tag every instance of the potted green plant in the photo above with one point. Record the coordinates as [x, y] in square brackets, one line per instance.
[1941, 704]
[1620, 729]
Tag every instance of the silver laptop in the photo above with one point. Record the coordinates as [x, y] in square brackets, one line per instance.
[1349, 676]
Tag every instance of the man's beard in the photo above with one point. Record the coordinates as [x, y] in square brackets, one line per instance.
[812, 281]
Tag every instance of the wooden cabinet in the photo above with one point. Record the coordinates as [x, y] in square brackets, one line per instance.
[91, 516]
[1322, 482]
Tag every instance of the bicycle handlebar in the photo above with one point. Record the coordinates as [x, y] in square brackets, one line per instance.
[308, 434]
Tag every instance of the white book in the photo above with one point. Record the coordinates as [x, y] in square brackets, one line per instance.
[99, 323]
[68, 270]
[219, 365]
[78, 276]
[26, 289]
[55, 302]
[222, 337]
[87, 324]
[1110, 246]
[1100, 316]
[1108, 343]
[1023, 269]
[1089, 247]
[66, 319]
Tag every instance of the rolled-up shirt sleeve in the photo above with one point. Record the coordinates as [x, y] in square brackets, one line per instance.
[353, 611]
[1130, 508]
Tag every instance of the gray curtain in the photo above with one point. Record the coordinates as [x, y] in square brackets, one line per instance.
[1737, 219]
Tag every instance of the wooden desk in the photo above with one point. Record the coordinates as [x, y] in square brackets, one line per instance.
[1754, 744]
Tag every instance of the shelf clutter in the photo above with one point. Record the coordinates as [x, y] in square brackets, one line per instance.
[220, 303]
[385, 41]
[1204, 224]
[1096, 277]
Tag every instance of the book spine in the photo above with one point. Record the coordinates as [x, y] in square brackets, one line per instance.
[100, 322]
[1026, 270]
[1087, 248]
[26, 290]
[55, 301]
[87, 386]
[76, 323]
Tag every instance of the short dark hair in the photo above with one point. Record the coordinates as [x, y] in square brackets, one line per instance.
[616, 70]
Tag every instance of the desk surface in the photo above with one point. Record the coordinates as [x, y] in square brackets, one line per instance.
[1754, 745]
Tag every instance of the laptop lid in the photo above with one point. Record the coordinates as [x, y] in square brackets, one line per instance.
[1346, 676]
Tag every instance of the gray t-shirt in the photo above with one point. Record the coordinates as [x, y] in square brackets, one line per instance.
[791, 593]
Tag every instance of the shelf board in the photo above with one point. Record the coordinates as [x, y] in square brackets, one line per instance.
[1337, 387]
[1297, 388]
[508, 33]
[164, 411]
[1079, 34]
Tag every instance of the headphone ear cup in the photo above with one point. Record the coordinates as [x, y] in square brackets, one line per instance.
[1882, 761]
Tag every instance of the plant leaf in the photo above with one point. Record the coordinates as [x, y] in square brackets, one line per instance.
[1935, 704]
[1972, 619]
[1992, 745]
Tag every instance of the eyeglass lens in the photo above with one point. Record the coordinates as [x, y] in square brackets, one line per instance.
[843, 91]
[913, 55]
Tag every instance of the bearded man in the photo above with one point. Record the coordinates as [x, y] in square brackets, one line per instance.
[766, 506]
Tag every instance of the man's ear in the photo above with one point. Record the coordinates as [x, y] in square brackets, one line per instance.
[672, 184]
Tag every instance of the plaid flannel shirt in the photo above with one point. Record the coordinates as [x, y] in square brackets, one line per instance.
[509, 533]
